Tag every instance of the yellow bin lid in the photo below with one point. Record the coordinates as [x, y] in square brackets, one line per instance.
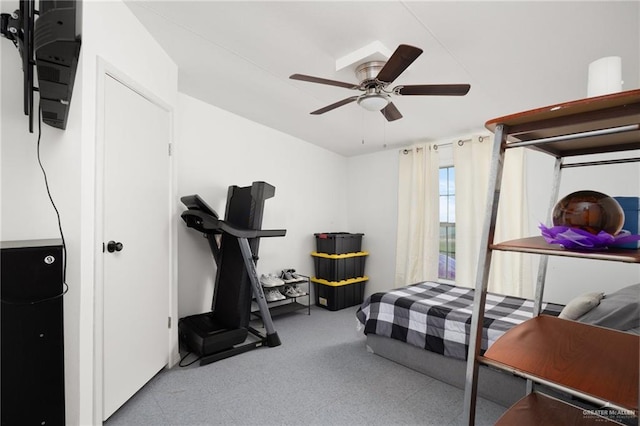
[340, 256]
[339, 283]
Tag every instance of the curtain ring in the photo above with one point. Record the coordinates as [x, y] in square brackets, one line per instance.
[460, 142]
[405, 152]
[480, 139]
[435, 147]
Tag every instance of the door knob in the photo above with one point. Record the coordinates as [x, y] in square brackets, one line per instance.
[114, 246]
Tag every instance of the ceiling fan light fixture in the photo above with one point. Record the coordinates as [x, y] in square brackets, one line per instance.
[373, 101]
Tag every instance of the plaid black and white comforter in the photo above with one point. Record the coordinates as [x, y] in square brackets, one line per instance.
[437, 317]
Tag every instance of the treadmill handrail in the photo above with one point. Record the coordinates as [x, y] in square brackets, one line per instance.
[251, 233]
[208, 224]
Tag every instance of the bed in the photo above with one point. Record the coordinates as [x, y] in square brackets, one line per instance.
[425, 327]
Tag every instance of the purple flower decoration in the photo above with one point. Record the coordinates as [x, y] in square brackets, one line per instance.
[575, 238]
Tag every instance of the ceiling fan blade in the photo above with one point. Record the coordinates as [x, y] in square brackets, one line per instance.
[433, 89]
[390, 112]
[319, 80]
[398, 62]
[335, 105]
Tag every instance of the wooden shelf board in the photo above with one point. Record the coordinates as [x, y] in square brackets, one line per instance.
[538, 245]
[596, 113]
[596, 361]
[538, 409]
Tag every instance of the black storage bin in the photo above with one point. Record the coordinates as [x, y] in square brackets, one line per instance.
[339, 267]
[338, 242]
[336, 295]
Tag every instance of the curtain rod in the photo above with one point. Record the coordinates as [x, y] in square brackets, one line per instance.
[460, 142]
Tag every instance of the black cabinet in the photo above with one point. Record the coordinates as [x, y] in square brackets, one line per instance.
[31, 318]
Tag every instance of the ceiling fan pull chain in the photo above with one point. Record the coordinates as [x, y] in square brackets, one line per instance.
[362, 125]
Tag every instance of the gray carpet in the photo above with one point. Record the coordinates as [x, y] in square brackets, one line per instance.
[322, 374]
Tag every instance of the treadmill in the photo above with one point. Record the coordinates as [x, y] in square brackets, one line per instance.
[234, 243]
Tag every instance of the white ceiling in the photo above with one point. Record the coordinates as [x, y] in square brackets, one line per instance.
[516, 56]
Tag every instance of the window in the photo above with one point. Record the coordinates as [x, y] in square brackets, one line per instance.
[447, 257]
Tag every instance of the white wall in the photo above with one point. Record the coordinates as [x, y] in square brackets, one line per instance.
[373, 210]
[69, 157]
[218, 149]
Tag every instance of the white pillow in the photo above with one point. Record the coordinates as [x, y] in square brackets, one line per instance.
[581, 305]
[619, 310]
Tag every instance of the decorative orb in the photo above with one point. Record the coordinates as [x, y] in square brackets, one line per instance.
[591, 211]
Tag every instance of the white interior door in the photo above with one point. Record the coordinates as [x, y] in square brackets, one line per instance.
[136, 213]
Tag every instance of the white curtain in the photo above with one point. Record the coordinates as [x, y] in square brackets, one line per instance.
[418, 222]
[510, 272]
[471, 161]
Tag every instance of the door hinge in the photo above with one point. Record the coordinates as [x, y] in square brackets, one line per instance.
[169, 322]
[170, 150]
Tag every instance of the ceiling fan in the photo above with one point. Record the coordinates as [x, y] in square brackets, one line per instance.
[374, 78]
